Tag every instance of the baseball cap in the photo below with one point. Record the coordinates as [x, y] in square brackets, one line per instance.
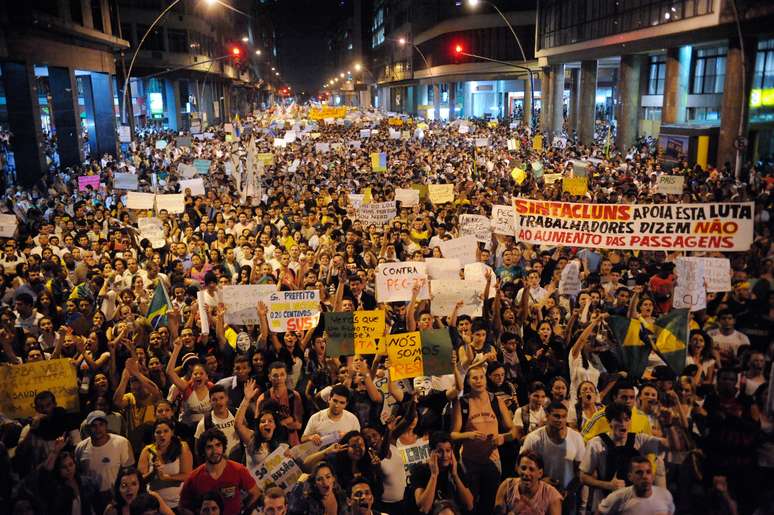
[95, 415]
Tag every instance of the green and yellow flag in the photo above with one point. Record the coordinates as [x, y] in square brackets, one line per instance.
[159, 306]
[633, 344]
[672, 338]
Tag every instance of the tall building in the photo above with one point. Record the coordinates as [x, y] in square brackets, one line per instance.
[58, 65]
[697, 74]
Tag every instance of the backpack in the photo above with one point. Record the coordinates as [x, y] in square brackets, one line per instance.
[617, 458]
[465, 409]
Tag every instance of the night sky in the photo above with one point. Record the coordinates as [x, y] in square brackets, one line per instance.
[303, 27]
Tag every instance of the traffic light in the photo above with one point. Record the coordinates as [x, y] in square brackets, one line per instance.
[458, 49]
[457, 52]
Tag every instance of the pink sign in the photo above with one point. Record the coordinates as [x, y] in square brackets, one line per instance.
[88, 180]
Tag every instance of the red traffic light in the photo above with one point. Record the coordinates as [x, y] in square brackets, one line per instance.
[458, 49]
[236, 51]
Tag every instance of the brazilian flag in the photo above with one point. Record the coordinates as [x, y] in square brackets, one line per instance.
[633, 344]
[159, 306]
[672, 338]
[81, 291]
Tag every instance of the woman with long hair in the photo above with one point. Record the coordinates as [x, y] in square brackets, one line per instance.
[320, 494]
[129, 486]
[195, 392]
[268, 436]
[165, 463]
[586, 404]
[701, 354]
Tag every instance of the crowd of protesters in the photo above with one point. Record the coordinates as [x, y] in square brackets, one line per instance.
[538, 417]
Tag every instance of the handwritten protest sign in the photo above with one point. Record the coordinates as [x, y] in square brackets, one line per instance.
[183, 141]
[503, 221]
[125, 181]
[341, 333]
[537, 142]
[136, 200]
[161, 144]
[518, 175]
[482, 142]
[405, 353]
[173, 202]
[436, 352]
[153, 230]
[551, 178]
[124, 134]
[301, 451]
[202, 166]
[443, 268]
[414, 455]
[464, 249]
[580, 168]
[575, 185]
[365, 133]
[241, 302]
[377, 213]
[569, 281]
[395, 281]
[689, 290]
[717, 226]
[8, 225]
[670, 184]
[440, 193]
[369, 327]
[717, 273]
[195, 185]
[277, 470]
[84, 181]
[447, 292]
[297, 310]
[475, 273]
[514, 144]
[408, 197]
[478, 226]
[267, 158]
[186, 171]
[20, 383]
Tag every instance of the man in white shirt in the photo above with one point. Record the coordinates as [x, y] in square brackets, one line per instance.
[220, 417]
[333, 419]
[727, 340]
[642, 498]
[536, 292]
[103, 454]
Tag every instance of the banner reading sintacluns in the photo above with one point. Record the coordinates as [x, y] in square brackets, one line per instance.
[721, 226]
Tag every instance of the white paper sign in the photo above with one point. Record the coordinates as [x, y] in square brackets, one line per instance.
[448, 292]
[356, 199]
[395, 281]
[408, 197]
[377, 213]
[689, 291]
[293, 310]
[322, 147]
[174, 202]
[503, 220]
[124, 134]
[477, 226]
[8, 225]
[125, 181]
[241, 302]
[135, 200]
[365, 133]
[569, 282]
[440, 193]
[443, 268]
[187, 171]
[205, 321]
[464, 249]
[717, 273]
[196, 186]
[464, 129]
[475, 273]
[670, 184]
[153, 230]
[482, 142]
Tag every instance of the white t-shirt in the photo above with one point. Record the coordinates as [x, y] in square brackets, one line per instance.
[224, 424]
[728, 345]
[625, 502]
[559, 459]
[104, 462]
[320, 423]
[394, 473]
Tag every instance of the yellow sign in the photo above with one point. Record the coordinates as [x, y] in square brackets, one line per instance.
[440, 193]
[396, 122]
[20, 383]
[369, 327]
[422, 125]
[405, 353]
[421, 188]
[320, 113]
[575, 185]
[537, 142]
[267, 158]
[518, 175]
[492, 124]
[230, 138]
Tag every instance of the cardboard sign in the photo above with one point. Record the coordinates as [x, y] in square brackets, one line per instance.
[478, 226]
[241, 302]
[174, 203]
[341, 333]
[183, 141]
[443, 268]
[448, 292]
[569, 281]
[408, 197]
[440, 193]
[136, 200]
[297, 310]
[267, 158]
[436, 352]
[84, 181]
[202, 166]
[8, 225]
[577, 186]
[405, 353]
[153, 230]
[670, 184]
[20, 383]
[277, 470]
[503, 221]
[464, 249]
[689, 291]
[195, 185]
[395, 281]
[125, 181]
[368, 329]
[377, 213]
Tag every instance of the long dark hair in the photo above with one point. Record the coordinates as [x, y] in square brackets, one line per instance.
[279, 436]
[122, 473]
[175, 446]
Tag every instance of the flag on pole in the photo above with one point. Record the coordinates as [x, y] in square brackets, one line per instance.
[672, 338]
[633, 344]
[379, 161]
[608, 141]
[159, 306]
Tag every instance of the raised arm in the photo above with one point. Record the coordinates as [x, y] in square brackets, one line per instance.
[244, 432]
[180, 383]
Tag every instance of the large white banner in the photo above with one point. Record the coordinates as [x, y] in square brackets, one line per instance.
[395, 281]
[722, 226]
